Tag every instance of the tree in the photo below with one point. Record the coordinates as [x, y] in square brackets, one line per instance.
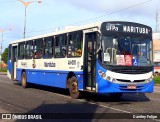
[5, 56]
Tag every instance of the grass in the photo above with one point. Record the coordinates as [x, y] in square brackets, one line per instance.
[157, 79]
[3, 70]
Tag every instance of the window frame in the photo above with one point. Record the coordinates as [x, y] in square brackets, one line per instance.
[51, 47]
[80, 34]
[30, 56]
[61, 46]
[21, 51]
[38, 51]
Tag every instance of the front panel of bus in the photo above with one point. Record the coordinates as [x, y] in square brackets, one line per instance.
[125, 61]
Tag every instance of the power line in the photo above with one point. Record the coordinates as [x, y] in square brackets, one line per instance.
[110, 13]
[114, 12]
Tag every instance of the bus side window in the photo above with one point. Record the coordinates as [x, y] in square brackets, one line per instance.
[75, 44]
[48, 47]
[60, 46]
[21, 52]
[29, 50]
[38, 47]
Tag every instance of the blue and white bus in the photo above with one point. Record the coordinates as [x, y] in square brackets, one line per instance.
[112, 57]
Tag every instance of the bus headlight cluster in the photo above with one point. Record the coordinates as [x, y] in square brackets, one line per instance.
[113, 80]
[102, 74]
[149, 79]
[108, 78]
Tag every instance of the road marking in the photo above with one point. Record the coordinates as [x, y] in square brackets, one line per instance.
[104, 106]
[116, 109]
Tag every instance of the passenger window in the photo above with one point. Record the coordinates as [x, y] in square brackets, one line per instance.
[29, 50]
[48, 47]
[21, 52]
[60, 46]
[38, 48]
[75, 44]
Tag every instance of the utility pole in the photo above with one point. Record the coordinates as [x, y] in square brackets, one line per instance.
[157, 25]
[26, 4]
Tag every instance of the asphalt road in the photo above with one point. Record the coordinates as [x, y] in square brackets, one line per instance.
[57, 102]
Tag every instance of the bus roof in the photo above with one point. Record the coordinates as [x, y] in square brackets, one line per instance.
[68, 29]
[75, 28]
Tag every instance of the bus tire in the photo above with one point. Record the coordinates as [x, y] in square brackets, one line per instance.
[68, 82]
[73, 88]
[115, 96]
[24, 80]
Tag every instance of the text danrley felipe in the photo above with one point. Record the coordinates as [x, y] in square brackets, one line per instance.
[144, 117]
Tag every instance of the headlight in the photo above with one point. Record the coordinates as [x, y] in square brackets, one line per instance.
[114, 80]
[103, 75]
[149, 79]
[108, 78]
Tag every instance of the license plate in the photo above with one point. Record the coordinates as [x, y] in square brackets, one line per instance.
[131, 87]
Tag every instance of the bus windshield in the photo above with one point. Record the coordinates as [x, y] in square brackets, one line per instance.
[126, 51]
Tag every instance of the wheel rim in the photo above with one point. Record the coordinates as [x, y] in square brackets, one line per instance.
[23, 81]
[74, 88]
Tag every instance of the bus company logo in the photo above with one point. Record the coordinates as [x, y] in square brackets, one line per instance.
[50, 64]
[111, 27]
[6, 116]
[71, 62]
[34, 64]
[24, 64]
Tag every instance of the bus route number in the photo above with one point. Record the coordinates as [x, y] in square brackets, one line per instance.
[71, 62]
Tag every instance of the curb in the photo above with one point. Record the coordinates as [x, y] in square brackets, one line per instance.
[158, 85]
[3, 73]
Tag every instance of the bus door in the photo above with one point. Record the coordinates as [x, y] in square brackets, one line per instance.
[13, 61]
[90, 61]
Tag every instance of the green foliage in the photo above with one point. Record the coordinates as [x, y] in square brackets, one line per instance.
[157, 79]
[5, 56]
[3, 70]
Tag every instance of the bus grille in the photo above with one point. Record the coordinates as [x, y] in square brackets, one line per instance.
[128, 81]
[132, 71]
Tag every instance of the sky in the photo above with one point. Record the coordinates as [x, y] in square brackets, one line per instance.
[47, 16]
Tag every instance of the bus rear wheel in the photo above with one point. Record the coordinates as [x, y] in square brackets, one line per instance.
[23, 80]
[73, 88]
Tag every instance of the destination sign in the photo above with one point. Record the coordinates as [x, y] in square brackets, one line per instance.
[128, 27]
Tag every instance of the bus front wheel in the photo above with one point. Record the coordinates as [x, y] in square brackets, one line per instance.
[23, 80]
[73, 88]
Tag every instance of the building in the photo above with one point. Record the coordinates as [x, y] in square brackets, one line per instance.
[156, 51]
[156, 46]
